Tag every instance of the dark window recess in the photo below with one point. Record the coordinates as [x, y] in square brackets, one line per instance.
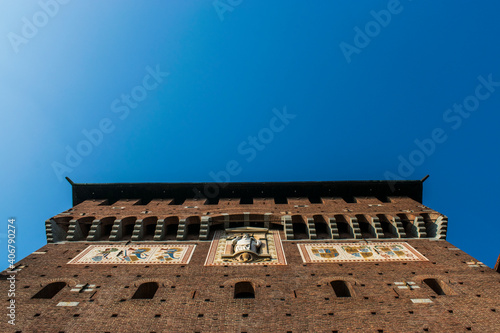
[146, 291]
[315, 200]
[341, 288]
[193, 231]
[280, 201]
[171, 231]
[387, 229]
[106, 230]
[257, 224]
[246, 201]
[435, 286]
[234, 224]
[244, 290]
[149, 231]
[50, 290]
[384, 198]
[365, 230]
[212, 201]
[142, 202]
[108, 202]
[128, 230]
[344, 229]
[275, 226]
[300, 231]
[85, 224]
[350, 199]
[322, 230]
[177, 201]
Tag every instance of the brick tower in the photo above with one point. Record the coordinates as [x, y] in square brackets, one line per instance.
[348, 256]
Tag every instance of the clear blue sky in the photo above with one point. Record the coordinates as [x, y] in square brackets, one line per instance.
[364, 83]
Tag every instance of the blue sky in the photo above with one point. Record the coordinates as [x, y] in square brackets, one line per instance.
[177, 89]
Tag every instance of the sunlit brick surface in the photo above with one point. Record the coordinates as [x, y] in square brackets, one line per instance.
[296, 297]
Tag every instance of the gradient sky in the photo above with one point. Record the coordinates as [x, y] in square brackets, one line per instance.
[365, 84]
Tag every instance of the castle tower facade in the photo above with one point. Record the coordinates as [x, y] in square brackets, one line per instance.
[349, 256]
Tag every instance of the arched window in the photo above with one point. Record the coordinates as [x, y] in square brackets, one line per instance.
[299, 226]
[365, 227]
[50, 290]
[85, 223]
[341, 288]
[146, 291]
[436, 286]
[106, 227]
[171, 227]
[193, 227]
[149, 228]
[127, 227]
[63, 222]
[344, 227]
[322, 229]
[244, 290]
[408, 226]
[388, 228]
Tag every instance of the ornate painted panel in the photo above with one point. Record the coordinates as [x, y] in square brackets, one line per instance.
[136, 254]
[358, 252]
[246, 246]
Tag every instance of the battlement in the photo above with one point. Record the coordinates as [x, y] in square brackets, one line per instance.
[302, 210]
[246, 191]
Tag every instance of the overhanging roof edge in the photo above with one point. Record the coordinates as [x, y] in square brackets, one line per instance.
[112, 191]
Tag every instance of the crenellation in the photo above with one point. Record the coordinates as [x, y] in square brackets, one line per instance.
[366, 225]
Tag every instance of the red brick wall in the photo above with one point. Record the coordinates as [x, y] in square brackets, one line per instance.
[296, 297]
[377, 304]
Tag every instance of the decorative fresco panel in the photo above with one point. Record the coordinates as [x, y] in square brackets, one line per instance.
[358, 252]
[136, 254]
[246, 246]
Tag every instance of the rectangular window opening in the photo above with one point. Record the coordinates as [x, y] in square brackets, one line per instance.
[212, 201]
[315, 200]
[177, 201]
[280, 200]
[246, 201]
